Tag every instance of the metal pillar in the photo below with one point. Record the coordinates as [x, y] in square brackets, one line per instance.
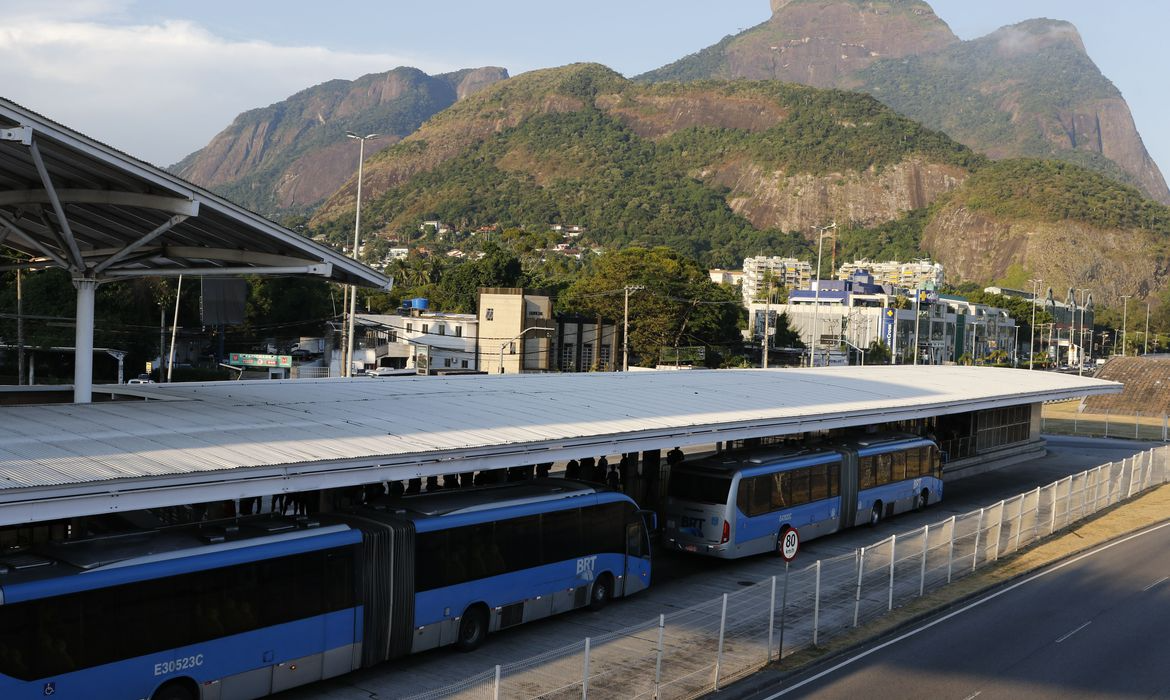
[83, 341]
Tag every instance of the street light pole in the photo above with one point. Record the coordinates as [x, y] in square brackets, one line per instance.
[1081, 336]
[821, 230]
[625, 328]
[1032, 342]
[767, 319]
[357, 227]
[1146, 337]
[1124, 311]
[517, 337]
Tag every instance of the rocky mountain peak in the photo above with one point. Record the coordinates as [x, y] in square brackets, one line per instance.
[1034, 35]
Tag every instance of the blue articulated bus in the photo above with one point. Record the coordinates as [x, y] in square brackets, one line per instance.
[740, 503]
[244, 608]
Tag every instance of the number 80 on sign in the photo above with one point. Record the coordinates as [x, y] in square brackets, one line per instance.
[789, 544]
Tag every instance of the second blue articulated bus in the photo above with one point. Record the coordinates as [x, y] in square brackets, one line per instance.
[243, 608]
[740, 503]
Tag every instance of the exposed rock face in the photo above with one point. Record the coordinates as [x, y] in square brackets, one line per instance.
[772, 199]
[291, 155]
[1024, 90]
[1112, 262]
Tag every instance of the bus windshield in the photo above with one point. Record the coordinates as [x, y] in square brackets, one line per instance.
[699, 487]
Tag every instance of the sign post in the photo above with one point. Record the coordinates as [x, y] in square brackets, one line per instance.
[789, 546]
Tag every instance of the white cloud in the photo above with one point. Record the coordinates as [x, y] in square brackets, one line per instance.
[157, 91]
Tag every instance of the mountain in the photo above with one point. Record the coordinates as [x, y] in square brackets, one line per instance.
[716, 169]
[1025, 90]
[289, 156]
[724, 169]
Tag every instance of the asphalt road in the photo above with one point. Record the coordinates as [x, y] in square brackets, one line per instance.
[681, 581]
[1091, 627]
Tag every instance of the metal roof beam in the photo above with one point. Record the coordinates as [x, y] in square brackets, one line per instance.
[175, 252]
[160, 230]
[31, 240]
[170, 205]
[62, 221]
[318, 269]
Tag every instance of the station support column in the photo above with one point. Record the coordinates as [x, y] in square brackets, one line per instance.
[83, 341]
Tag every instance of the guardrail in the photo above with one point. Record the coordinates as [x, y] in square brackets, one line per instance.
[695, 651]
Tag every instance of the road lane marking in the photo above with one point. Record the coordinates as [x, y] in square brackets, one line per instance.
[1074, 631]
[974, 695]
[938, 621]
[1155, 583]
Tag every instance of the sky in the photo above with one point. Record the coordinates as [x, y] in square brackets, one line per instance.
[159, 78]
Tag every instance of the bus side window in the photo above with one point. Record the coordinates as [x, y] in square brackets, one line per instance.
[780, 495]
[799, 480]
[865, 473]
[560, 535]
[636, 540]
[818, 482]
[761, 495]
[743, 497]
[899, 468]
[913, 462]
[883, 469]
[519, 539]
[834, 479]
[430, 560]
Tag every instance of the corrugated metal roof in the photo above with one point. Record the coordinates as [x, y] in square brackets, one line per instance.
[267, 436]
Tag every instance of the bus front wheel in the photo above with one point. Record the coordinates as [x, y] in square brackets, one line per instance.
[175, 690]
[473, 628]
[601, 593]
[875, 515]
[922, 500]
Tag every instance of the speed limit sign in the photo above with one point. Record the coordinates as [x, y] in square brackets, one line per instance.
[789, 544]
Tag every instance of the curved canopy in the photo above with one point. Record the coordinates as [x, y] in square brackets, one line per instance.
[71, 202]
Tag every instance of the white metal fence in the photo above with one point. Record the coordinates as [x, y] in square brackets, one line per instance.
[1065, 418]
[698, 650]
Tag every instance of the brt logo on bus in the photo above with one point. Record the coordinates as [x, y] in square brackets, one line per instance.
[585, 567]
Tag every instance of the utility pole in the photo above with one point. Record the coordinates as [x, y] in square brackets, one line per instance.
[625, 326]
[19, 331]
[357, 229]
[1124, 311]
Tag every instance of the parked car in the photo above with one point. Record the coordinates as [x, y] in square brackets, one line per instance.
[388, 372]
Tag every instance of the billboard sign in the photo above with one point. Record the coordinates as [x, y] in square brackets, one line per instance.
[240, 359]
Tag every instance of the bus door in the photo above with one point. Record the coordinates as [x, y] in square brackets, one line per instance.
[637, 559]
[848, 488]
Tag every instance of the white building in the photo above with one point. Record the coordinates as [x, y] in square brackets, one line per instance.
[418, 339]
[731, 277]
[785, 272]
[909, 275]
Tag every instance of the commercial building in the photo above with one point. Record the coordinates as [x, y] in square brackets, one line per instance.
[416, 338]
[857, 312]
[516, 330]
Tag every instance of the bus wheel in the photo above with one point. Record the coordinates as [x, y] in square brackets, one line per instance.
[473, 629]
[922, 500]
[175, 690]
[875, 515]
[601, 593]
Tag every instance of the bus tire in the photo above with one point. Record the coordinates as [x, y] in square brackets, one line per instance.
[601, 592]
[922, 500]
[875, 515]
[178, 689]
[473, 628]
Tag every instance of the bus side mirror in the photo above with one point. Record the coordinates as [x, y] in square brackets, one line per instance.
[649, 517]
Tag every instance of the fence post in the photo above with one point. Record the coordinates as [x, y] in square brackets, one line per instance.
[1106, 422]
[999, 529]
[817, 604]
[951, 551]
[925, 547]
[722, 630]
[1052, 523]
[496, 686]
[772, 621]
[585, 676]
[893, 558]
[978, 532]
[1075, 422]
[1137, 421]
[1019, 523]
[658, 662]
[857, 598]
[1165, 426]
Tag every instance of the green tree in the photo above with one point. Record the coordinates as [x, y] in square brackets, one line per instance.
[677, 305]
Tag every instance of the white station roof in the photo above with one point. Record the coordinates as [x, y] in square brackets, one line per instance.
[221, 440]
